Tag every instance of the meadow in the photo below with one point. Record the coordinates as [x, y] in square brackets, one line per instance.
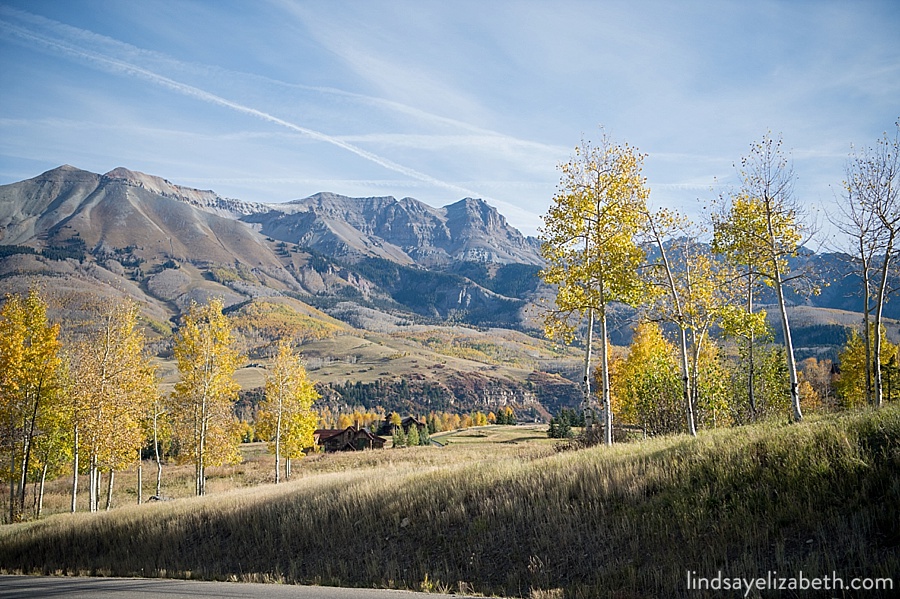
[504, 511]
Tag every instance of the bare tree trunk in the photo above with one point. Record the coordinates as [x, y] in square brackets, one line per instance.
[109, 489]
[140, 479]
[40, 499]
[27, 445]
[156, 453]
[604, 357]
[751, 392]
[789, 350]
[201, 449]
[287, 468]
[586, 380]
[278, 445]
[93, 478]
[12, 485]
[686, 394]
[23, 481]
[75, 474]
[867, 316]
[879, 310]
[682, 332]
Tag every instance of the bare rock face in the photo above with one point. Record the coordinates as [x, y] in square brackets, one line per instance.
[405, 231]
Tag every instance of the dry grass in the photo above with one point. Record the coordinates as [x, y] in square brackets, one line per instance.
[521, 519]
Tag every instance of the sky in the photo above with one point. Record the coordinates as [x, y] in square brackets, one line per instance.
[274, 100]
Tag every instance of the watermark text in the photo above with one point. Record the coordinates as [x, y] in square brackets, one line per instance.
[773, 581]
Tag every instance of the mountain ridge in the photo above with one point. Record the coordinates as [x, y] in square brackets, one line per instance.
[379, 265]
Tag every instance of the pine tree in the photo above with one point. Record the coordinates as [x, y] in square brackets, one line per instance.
[399, 437]
[424, 437]
[412, 437]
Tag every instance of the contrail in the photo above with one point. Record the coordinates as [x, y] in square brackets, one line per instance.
[117, 66]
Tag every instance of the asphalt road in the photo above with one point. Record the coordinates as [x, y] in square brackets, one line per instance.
[34, 587]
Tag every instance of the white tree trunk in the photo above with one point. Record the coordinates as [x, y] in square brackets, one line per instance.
[789, 350]
[278, 445]
[40, 499]
[156, 453]
[140, 479]
[586, 406]
[879, 310]
[75, 474]
[685, 382]
[604, 357]
[94, 482]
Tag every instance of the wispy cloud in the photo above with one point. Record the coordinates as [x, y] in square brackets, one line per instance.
[121, 67]
[287, 98]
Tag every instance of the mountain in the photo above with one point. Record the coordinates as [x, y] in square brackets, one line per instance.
[405, 231]
[122, 209]
[355, 280]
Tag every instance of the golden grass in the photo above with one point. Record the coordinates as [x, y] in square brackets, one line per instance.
[521, 519]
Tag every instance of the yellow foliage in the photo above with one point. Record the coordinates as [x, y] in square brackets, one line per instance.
[113, 386]
[202, 400]
[589, 237]
[271, 320]
[646, 390]
[286, 418]
[30, 378]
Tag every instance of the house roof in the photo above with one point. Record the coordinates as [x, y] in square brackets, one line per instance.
[327, 433]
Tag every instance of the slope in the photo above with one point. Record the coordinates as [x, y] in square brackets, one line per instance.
[511, 519]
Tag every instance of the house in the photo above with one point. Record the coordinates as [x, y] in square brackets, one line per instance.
[352, 438]
[388, 429]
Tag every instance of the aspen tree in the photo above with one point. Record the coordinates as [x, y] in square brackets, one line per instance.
[286, 418]
[851, 384]
[760, 229]
[646, 382]
[589, 243]
[201, 404]
[29, 380]
[113, 385]
[691, 294]
[53, 447]
[871, 216]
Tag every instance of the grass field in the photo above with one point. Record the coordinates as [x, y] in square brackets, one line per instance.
[500, 511]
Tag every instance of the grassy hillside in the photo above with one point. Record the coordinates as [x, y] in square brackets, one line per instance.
[513, 517]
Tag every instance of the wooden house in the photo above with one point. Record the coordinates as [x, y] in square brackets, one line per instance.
[388, 429]
[352, 438]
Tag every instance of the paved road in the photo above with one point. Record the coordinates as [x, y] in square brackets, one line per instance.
[34, 587]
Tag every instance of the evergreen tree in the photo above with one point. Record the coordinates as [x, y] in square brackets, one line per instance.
[412, 437]
[399, 437]
[424, 437]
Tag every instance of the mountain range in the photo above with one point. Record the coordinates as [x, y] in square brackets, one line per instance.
[356, 280]
[456, 286]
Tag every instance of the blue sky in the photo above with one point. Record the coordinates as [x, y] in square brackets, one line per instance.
[276, 100]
